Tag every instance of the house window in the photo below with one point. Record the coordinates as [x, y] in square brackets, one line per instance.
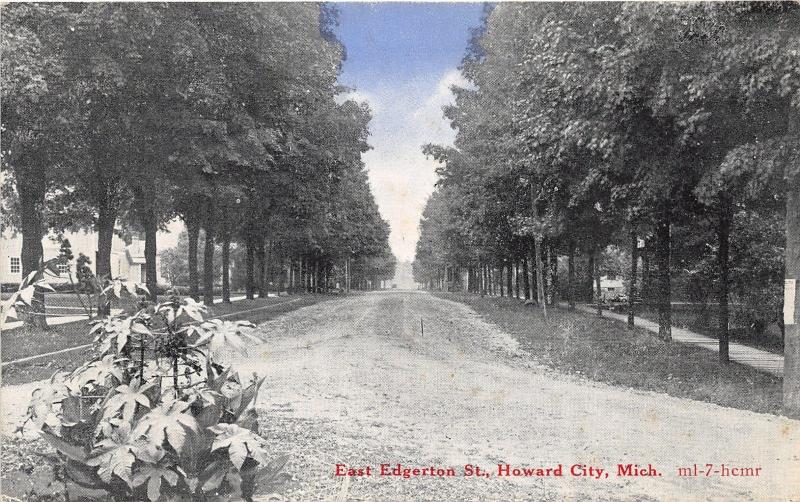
[63, 268]
[142, 273]
[16, 265]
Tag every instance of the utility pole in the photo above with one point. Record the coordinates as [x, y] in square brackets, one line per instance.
[791, 290]
[632, 279]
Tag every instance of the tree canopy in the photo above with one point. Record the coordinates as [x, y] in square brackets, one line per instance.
[666, 129]
[122, 117]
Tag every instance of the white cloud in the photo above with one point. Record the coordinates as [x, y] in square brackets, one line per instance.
[405, 117]
[359, 97]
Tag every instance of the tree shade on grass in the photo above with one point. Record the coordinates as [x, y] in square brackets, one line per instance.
[605, 351]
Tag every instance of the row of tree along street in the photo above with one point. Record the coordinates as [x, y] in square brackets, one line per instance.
[122, 117]
[667, 134]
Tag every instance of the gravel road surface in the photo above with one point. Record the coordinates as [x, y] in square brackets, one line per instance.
[355, 381]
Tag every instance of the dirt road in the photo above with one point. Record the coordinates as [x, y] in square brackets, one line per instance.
[463, 393]
[354, 381]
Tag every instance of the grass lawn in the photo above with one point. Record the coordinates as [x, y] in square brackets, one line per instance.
[22, 342]
[606, 351]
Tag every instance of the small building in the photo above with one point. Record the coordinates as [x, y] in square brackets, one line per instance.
[611, 288]
[127, 259]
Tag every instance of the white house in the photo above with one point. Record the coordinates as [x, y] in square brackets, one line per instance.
[611, 289]
[127, 260]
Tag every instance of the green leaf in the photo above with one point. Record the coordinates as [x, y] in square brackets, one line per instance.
[70, 450]
[139, 328]
[117, 329]
[240, 442]
[45, 285]
[213, 474]
[224, 336]
[114, 455]
[100, 371]
[153, 475]
[167, 422]
[192, 309]
[127, 397]
[248, 396]
[272, 476]
[26, 294]
[84, 475]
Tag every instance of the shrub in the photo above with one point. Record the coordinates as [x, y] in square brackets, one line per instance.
[155, 414]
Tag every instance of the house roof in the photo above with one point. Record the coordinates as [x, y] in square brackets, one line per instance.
[611, 283]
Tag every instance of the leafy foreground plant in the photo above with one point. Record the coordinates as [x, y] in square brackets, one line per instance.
[156, 415]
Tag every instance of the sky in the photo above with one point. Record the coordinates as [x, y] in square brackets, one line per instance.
[402, 59]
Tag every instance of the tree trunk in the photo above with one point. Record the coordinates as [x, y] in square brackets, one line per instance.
[552, 253]
[260, 268]
[526, 283]
[632, 279]
[589, 289]
[645, 289]
[208, 267]
[545, 269]
[723, 236]
[301, 278]
[226, 268]
[510, 278]
[106, 220]
[150, 224]
[791, 310]
[292, 276]
[31, 256]
[540, 277]
[596, 270]
[249, 265]
[571, 274]
[534, 290]
[267, 268]
[208, 252]
[317, 276]
[193, 233]
[347, 275]
[662, 236]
